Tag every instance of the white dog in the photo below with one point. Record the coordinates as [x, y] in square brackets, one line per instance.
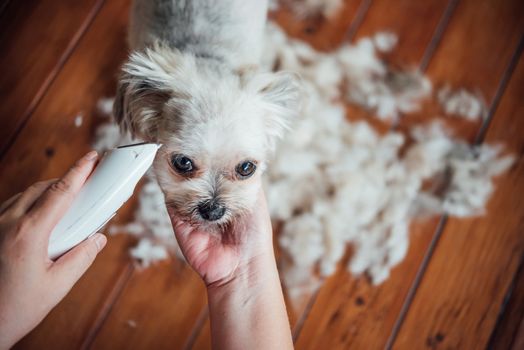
[192, 84]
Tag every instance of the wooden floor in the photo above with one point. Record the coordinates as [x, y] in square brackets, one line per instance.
[462, 283]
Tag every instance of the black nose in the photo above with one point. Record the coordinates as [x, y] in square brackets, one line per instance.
[211, 210]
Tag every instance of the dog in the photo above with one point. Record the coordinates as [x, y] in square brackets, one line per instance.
[192, 84]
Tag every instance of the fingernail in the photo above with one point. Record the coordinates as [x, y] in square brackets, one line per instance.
[91, 155]
[100, 241]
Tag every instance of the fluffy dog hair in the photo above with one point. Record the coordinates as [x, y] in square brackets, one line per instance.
[192, 84]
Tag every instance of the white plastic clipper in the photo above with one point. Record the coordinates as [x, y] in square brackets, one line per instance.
[106, 190]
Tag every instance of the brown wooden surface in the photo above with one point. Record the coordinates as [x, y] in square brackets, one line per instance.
[321, 33]
[37, 37]
[156, 310]
[446, 294]
[49, 143]
[349, 312]
[476, 259]
[510, 326]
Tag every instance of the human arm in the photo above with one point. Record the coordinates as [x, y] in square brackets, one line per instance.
[249, 311]
[246, 303]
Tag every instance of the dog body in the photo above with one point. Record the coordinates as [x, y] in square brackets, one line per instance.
[228, 30]
[192, 84]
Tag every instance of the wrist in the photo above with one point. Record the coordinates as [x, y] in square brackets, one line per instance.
[248, 307]
[255, 274]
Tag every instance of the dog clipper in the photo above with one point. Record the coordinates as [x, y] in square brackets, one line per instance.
[110, 185]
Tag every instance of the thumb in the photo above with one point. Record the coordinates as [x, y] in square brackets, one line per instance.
[72, 265]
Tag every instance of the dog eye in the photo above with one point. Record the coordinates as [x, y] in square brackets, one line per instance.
[245, 169]
[182, 164]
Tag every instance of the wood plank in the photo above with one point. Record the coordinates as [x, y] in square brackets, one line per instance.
[510, 325]
[322, 33]
[429, 18]
[156, 310]
[348, 311]
[3, 6]
[37, 38]
[203, 341]
[50, 143]
[414, 34]
[458, 301]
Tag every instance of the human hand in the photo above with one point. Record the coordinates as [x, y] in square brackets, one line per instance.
[30, 283]
[221, 257]
[238, 266]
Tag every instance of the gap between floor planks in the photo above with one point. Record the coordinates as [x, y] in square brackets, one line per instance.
[440, 229]
[508, 327]
[48, 81]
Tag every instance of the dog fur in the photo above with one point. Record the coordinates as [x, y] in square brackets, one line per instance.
[192, 83]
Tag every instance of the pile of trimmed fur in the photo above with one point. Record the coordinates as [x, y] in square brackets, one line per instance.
[335, 183]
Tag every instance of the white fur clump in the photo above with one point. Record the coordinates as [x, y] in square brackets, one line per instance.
[148, 253]
[79, 120]
[273, 5]
[365, 193]
[151, 222]
[385, 41]
[356, 68]
[108, 136]
[334, 183]
[467, 172]
[105, 106]
[462, 103]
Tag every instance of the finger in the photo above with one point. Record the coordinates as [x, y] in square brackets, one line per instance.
[181, 228]
[54, 202]
[28, 198]
[72, 265]
[8, 203]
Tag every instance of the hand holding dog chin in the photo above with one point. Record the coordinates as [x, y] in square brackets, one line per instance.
[244, 294]
[220, 258]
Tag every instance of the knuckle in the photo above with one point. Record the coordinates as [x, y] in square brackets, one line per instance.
[75, 169]
[61, 186]
[20, 236]
[25, 225]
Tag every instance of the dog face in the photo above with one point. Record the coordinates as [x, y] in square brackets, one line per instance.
[217, 126]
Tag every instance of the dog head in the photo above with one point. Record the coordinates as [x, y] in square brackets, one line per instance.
[218, 127]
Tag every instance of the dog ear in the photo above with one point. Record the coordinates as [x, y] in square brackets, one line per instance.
[281, 95]
[143, 89]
